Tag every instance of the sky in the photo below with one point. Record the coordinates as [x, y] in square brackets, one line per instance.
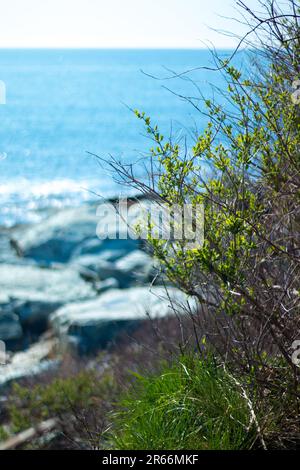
[117, 23]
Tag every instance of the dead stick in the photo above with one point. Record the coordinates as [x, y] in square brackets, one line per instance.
[28, 434]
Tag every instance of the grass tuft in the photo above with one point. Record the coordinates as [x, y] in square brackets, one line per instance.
[193, 404]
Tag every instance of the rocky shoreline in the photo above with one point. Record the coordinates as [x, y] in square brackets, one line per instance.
[62, 288]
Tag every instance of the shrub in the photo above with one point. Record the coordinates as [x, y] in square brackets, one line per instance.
[245, 169]
[79, 402]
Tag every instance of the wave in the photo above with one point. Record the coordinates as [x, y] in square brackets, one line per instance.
[23, 201]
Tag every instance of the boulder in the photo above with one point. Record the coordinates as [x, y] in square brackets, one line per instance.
[109, 249]
[10, 327]
[7, 252]
[107, 284]
[31, 362]
[136, 267]
[32, 293]
[33, 283]
[54, 239]
[93, 267]
[91, 325]
[74, 232]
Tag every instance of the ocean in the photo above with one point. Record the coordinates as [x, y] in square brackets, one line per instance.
[61, 104]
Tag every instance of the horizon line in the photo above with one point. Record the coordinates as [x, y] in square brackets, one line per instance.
[114, 48]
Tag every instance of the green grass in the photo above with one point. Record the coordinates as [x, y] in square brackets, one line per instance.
[193, 404]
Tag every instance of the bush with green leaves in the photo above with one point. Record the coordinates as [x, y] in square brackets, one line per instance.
[245, 169]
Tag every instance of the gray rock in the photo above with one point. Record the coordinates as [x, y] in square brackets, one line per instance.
[136, 267]
[94, 267]
[54, 239]
[90, 325]
[32, 293]
[71, 233]
[10, 327]
[7, 253]
[28, 363]
[110, 250]
[107, 284]
[33, 315]
[32, 283]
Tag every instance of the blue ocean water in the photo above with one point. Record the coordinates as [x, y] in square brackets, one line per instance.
[62, 103]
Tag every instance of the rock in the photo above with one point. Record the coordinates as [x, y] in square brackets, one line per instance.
[54, 239]
[28, 363]
[109, 250]
[10, 327]
[94, 267]
[7, 253]
[34, 315]
[136, 267]
[107, 284]
[32, 293]
[91, 325]
[71, 233]
[32, 283]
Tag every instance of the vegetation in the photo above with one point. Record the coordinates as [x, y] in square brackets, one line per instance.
[79, 403]
[239, 387]
[193, 404]
[246, 275]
